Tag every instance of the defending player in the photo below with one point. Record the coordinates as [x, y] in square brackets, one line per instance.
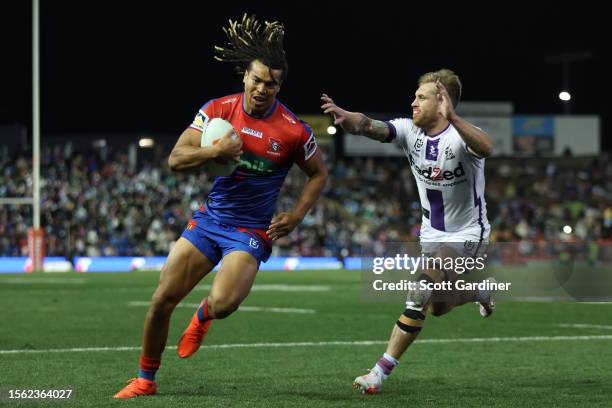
[446, 154]
[234, 224]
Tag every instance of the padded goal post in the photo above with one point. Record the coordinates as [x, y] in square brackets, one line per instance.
[36, 248]
[35, 237]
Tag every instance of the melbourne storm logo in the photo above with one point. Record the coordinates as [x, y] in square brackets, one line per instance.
[433, 150]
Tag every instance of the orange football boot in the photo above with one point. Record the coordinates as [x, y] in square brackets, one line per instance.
[192, 336]
[137, 387]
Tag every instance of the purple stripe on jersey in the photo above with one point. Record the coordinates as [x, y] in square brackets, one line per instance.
[392, 133]
[478, 203]
[439, 133]
[436, 210]
[431, 150]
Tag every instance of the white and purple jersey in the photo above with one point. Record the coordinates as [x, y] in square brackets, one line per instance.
[450, 179]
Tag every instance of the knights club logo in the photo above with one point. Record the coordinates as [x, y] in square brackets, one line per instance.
[274, 146]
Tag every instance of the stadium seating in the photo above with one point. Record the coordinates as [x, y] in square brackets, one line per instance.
[94, 204]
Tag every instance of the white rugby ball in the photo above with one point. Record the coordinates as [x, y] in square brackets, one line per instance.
[213, 131]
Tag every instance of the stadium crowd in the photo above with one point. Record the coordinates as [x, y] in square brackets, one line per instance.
[101, 202]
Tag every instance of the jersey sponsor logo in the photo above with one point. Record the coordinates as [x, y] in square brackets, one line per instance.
[200, 121]
[232, 100]
[289, 119]
[274, 147]
[436, 173]
[252, 132]
[310, 147]
[256, 167]
[252, 164]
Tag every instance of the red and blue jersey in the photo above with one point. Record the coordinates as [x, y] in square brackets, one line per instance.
[271, 144]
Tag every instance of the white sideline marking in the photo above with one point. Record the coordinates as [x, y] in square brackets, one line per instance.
[241, 308]
[35, 281]
[586, 326]
[279, 288]
[327, 343]
[561, 298]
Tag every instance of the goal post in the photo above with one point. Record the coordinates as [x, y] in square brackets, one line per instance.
[35, 238]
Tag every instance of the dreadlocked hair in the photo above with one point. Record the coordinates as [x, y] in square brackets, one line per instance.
[248, 40]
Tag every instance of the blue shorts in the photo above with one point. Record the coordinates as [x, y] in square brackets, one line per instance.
[216, 239]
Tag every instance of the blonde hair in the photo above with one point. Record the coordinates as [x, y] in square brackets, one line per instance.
[448, 78]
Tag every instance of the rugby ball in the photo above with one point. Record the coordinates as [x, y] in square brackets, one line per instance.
[214, 130]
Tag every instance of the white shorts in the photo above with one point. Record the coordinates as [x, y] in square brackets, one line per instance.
[470, 242]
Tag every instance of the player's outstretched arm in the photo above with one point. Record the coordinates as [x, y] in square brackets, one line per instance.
[285, 222]
[355, 122]
[188, 155]
[476, 139]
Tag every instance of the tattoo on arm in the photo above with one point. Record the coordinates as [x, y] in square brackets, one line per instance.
[376, 129]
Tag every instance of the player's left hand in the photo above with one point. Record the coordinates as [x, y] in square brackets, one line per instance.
[282, 224]
[445, 105]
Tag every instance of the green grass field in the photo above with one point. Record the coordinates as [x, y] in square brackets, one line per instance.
[248, 359]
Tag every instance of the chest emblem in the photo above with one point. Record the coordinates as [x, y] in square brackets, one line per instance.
[431, 150]
[274, 147]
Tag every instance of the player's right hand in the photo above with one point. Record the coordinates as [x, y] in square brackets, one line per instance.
[229, 146]
[348, 120]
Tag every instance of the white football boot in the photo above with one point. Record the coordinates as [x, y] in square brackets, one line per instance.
[488, 306]
[369, 383]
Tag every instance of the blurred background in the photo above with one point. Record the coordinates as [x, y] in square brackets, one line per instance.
[120, 81]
